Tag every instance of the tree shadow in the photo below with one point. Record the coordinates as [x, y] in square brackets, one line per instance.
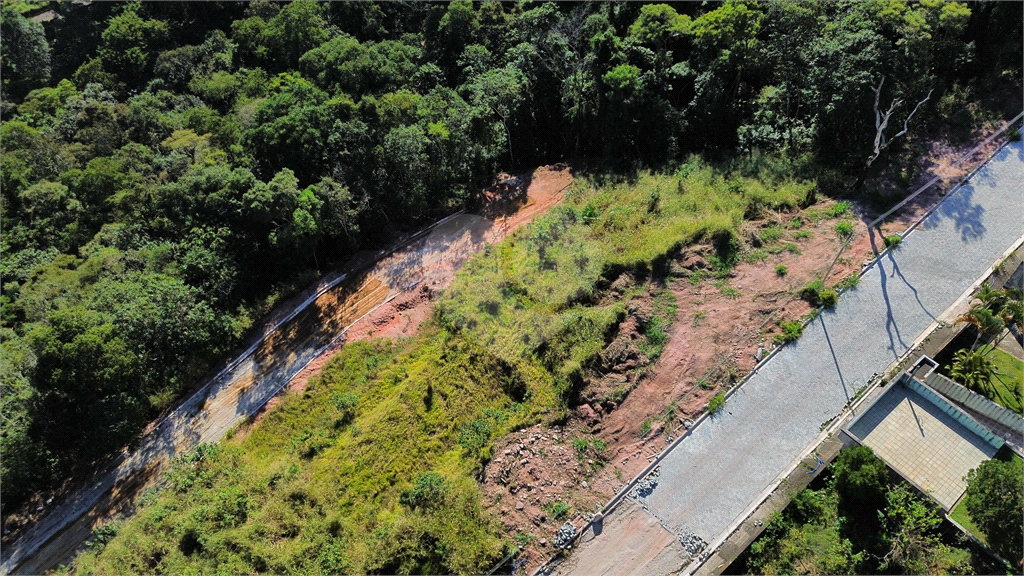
[890, 323]
[896, 271]
[966, 215]
[835, 360]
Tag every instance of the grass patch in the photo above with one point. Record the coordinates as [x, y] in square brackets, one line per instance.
[781, 270]
[963, 517]
[791, 331]
[716, 403]
[757, 257]
[698, 317]
[1008, 383]
[850, 281]
[726, 290]
[556, 510]
[844, 230]
[802, 234]
[771, 234]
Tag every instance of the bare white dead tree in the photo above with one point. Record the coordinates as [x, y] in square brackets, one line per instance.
[882, 122]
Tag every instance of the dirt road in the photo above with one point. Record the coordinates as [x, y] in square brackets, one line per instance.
[296, 334]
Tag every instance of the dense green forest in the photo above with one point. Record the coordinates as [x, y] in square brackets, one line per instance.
[170, 170]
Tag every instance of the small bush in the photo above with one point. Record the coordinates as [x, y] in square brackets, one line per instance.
[645, 428]
[838, 209]
[812, 293]
[757, 256]
[557, 510]
[781, 270]
[699, 316]
[790, 332]
[429, 490]
[771, 234]
[581, 445]
[1013, 135]
[793, 248]
[704, 384]
[716, 403]
[828, 298]
[892, 241]
[800, 235]
[844, 229]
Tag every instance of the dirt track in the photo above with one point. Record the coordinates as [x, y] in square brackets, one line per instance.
[295, 335]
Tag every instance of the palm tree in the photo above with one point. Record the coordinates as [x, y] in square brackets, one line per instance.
[984, 320]
[974, 370]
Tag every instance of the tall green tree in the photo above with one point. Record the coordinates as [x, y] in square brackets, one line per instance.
[995, 501]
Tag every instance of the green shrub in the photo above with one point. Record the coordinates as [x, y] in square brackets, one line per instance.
[716, 403]
[771, 234]
[645, 428]
[838, 209]
[792, 248]
[844, 229]
[581, 445]
[473, 435]
[557, 510]
[812, 293]
[828, 298]
[1013, 135]
[429, 490]
[705, 385]
[781, 270]
[790, 331]
[892, 241]
[802, 234]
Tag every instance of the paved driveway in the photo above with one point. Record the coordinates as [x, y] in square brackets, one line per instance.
[716, 473]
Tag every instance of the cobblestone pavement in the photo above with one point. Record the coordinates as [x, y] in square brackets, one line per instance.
[715, 474]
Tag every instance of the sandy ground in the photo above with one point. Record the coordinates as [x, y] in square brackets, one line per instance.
[391, 296]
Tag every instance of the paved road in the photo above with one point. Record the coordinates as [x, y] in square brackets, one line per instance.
[729, 460]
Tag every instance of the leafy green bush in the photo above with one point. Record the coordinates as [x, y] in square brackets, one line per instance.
[829, 298]
[1013, 135]
[645, 428]
[791, 331]
[429, 490]
[781, 270]
[557, 510]
[582, 445]
[771, 234]
[844, 229]
[892, 241]
[716, 403]
[802, 234]
[812, 293]
[839, 208]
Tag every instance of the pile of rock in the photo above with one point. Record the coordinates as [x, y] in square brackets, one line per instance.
[646, 484]
[564, 535]
[692, 543]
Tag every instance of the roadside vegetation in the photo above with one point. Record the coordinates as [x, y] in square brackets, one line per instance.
[858, 518]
